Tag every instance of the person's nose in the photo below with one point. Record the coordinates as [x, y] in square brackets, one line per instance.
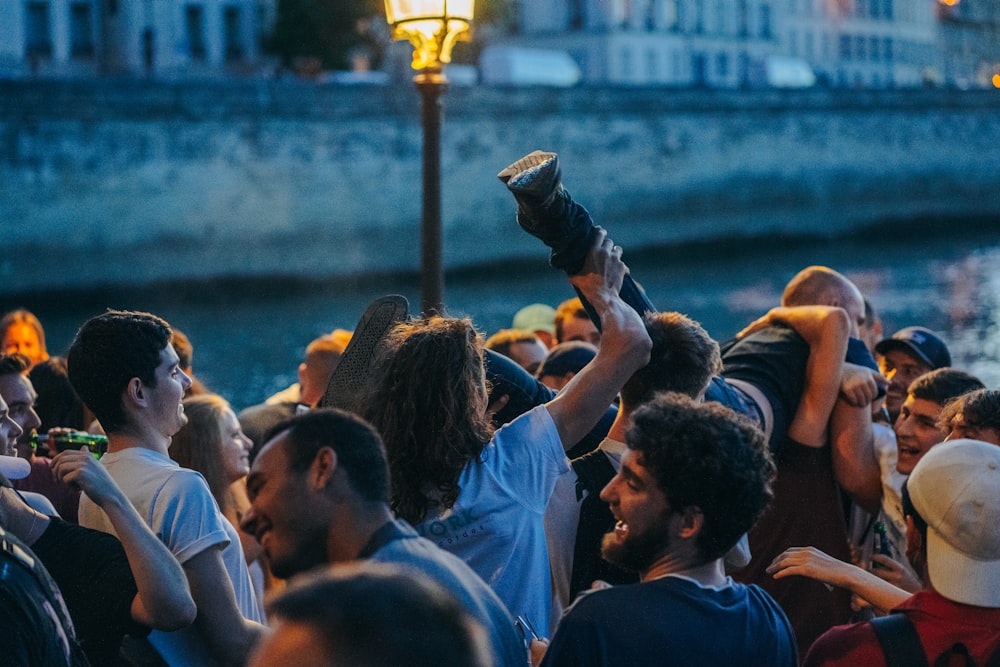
[12, 428]
[34, 421]
[608, 493]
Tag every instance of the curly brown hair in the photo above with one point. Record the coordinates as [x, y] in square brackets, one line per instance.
[428, 400]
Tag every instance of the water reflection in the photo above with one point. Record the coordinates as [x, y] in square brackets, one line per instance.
[249, 339]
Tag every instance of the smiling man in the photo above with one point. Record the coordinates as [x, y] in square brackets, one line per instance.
[694, 479]
[917, 430]
[319, 493]
[904, 357]
[125, 370]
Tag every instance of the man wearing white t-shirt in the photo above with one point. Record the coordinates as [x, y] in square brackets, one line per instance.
[125, 370]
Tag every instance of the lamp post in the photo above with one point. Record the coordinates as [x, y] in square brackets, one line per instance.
[432, 27]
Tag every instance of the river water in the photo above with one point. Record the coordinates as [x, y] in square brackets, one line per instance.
[250, 337]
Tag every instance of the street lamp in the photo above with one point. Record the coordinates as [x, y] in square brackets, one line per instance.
[432, 27]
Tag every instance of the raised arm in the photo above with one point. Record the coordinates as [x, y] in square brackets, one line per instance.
[625, 345]
[826, 330]
[163, 600]
[815, 564]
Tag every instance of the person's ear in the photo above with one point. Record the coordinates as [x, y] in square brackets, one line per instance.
[323, 467]
[692, 520]
[135, 391]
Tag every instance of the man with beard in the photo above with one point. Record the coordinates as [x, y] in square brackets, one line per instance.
[694, 478]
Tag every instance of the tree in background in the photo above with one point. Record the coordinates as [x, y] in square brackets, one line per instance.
[325, 32]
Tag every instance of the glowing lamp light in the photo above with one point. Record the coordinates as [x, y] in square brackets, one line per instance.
[949, 3]
[996, 80]
[432, 27]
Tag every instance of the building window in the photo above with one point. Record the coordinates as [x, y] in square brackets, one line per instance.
[234, 36]
[652, 65]
[576, 15]
[765, 21]
[742, 19]
[845, 47]
[112, 7]
[81, 31]
[37, 30]
[194, 26]
[722, 65]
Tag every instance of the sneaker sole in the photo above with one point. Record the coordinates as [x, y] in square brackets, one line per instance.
[527, 174]
[351, 372]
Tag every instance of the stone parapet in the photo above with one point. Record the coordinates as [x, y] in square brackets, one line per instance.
[127, 181]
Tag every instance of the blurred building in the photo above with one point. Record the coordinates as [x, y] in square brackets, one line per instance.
[740, 43]
[159, 38]
[970, 37]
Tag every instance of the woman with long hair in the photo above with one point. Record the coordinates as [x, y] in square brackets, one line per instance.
[20, 331]
[480, 494]
[213, 444]
[435, 426]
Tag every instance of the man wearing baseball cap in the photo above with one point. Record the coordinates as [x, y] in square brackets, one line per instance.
[904, 357]
[952, 507]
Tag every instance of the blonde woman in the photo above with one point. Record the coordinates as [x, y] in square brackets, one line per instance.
[213, 444]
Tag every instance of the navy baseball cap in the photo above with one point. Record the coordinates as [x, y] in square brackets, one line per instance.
[920, 342]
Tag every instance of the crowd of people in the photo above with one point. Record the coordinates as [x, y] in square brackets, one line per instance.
[602, 483]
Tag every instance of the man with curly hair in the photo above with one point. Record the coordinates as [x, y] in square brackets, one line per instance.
[694, 479]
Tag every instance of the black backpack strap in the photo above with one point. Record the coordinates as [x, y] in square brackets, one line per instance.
[899, 641]
[593, 472]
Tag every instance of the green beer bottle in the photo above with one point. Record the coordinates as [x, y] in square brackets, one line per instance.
[57, 442]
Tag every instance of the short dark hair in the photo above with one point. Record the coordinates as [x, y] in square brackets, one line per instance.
[383, 614]
[943, 385]
[357, 444]
[683, 359]
[108, 351]
[706, 456]
[14, 363]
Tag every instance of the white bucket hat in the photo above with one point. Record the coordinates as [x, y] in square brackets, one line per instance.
[955, 488]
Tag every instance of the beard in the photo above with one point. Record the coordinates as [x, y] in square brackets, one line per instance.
[636, 552]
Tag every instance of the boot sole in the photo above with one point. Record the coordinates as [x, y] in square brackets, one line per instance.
[351, 372]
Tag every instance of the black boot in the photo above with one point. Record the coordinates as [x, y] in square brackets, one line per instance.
[547, 211]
